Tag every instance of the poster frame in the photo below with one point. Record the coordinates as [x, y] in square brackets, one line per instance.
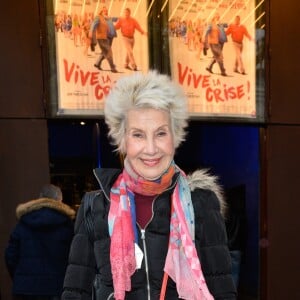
[157, 60]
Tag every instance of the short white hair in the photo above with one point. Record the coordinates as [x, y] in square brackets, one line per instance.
[150, 90]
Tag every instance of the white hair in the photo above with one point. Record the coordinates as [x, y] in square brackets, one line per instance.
[150, 90]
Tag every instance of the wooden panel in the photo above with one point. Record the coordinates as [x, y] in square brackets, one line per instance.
[284, 62]
[21, 84]
[283, 206]
[24, 168]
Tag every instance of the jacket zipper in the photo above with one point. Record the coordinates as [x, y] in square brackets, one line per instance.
[143, 238]
[146, 262]
[110, 296]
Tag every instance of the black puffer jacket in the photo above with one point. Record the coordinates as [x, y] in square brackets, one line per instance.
[211, 244]
[37, 252]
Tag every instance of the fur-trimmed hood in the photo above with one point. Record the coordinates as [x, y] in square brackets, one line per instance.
[204, 180]
[34, 205]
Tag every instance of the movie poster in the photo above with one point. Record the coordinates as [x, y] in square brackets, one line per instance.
[212, 53]
[90, 55]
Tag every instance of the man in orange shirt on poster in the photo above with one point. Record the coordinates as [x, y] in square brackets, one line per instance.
[238, 32]
[128, 25]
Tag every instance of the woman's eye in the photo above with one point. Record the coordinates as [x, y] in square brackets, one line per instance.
[137, 135]
[161, 133]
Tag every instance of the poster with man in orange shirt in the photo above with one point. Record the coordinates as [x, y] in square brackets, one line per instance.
[96, 42]
[212, 52]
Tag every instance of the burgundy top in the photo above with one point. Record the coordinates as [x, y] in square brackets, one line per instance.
[143, 209]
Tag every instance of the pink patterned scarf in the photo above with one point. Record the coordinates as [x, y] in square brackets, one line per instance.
[182, 263]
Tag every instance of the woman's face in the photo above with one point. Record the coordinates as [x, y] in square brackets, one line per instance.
[149, 144]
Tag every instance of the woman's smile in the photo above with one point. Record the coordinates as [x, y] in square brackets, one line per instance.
[150, 162]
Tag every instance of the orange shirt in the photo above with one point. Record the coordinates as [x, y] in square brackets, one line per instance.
[237, 33]
[213, 36]
[128, 26]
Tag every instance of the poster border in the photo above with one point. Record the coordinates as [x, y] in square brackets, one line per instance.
[51, 81]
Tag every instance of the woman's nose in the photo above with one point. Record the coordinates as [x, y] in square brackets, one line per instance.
[151, 147]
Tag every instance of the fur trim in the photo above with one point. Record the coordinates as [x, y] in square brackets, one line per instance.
[203, 180]
[25, 208]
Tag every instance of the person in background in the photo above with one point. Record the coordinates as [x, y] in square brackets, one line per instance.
[158, 233]
[237, 32]
[128, 25]
[37, 252]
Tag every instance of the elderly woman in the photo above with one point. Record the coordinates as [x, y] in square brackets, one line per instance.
[158, 234]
